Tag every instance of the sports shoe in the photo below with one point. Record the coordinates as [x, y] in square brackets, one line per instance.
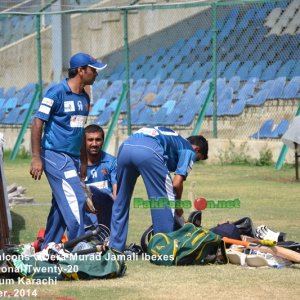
[264, 233]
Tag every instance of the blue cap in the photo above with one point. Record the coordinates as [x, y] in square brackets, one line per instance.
[83, 59]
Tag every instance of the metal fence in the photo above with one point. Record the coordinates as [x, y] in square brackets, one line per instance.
[240, 58]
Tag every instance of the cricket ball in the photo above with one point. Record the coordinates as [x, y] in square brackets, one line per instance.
[200, 203]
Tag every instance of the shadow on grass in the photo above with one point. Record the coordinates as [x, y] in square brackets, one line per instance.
[18, 224]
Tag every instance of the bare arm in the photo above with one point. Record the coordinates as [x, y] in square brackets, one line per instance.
[36, 168]
[178, 188]
[114, 191]
[178, 185]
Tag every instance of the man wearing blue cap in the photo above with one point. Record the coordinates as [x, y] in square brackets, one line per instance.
[61, 118]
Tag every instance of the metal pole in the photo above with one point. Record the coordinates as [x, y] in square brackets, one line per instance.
[214, 69]
[296, 161]
[203, 110]
[37, 95]
[39, 55]
[127, 73]
[115, 117]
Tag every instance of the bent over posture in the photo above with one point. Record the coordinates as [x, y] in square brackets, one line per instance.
[153, 152]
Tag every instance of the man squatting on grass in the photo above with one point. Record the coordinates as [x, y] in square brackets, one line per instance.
[153, 152]
[63, 113]
[101, 176]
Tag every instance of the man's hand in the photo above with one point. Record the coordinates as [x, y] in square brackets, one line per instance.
[83, 172]
[36, 168]
[179, 212]
[89, 206]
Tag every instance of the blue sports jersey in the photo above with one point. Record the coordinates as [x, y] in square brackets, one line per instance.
[103, 174]
[178, 152]
[65, 114]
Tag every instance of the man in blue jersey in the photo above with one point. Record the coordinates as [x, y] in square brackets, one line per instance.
[101, 176]
[153, 152]
[61, 118]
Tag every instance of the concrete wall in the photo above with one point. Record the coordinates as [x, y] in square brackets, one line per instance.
[96, 33]
[216, 146]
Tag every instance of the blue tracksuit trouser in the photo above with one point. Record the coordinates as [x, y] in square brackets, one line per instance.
[68, 200]
[141, 156]
[103, 203]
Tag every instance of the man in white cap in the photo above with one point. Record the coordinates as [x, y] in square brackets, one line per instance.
[61, 118]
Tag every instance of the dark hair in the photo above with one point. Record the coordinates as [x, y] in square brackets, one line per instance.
[94, 128]
[73, 72]
[201, 142]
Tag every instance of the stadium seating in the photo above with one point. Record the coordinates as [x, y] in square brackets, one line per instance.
[291, 89]
[276, 90]
[265, 130]
[237, 108]
[104, 117]
[98, 107]
[10, 104]
[2, 101]
[250, 71]
[280, 129]
[259, 98]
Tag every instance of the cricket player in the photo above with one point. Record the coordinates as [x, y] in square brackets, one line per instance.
[101, 176]
[61, 118]
[153, 152]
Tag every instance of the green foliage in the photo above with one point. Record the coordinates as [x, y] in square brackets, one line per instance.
[22, 154]
[265, 157]
[235, 156]
[238, 156]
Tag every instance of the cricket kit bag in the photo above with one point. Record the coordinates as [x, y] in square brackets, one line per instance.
[189, 245]
[55, 264]
[84, 257]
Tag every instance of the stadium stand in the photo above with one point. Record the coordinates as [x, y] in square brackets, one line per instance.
[250, 70]
[265, 130]
[280, 129]
[16, 27]
[269, 130]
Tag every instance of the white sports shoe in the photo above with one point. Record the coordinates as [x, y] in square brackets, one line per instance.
[264, 233]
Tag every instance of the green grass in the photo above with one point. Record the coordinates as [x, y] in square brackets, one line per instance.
[267, 196]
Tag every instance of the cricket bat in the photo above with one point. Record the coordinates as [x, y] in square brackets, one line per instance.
[97, 248]
[74, 242]
[274, 250]
[269, 243]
